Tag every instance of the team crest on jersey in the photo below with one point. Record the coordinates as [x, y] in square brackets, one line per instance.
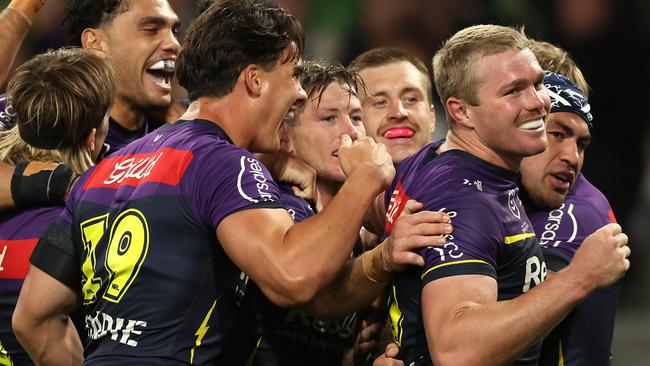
[512, 203]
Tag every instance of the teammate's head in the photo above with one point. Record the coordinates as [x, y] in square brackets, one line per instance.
[138, 38]
[397, 109]
[254, 45]
[332, 109]
[553, 58]
[61, 99]
[492, 88]
[548, 177]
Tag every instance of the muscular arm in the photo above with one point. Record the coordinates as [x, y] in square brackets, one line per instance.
[41, 321]
[289, 263]
[14, 24]
[465, 325]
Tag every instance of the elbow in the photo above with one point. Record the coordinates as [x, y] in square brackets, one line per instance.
[19, 323]
[291, 292]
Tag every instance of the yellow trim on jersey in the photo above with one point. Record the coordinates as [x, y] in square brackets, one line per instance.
[5, 359]
[396, 317]
[203, 329]
[450, 263]
[560, 362]
[251, 358]
[516, 238]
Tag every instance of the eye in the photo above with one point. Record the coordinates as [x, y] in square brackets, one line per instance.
[329, 118]
[410, 99]
[356, 119]
[379, 102]
[582, 145]
[555, 134]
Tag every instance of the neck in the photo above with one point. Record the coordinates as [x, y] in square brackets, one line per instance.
[467, 140]
[327, 190]
[226, 112]
[126, 116]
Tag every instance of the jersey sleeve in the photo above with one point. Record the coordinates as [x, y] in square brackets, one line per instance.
[474, 244]
[56, 253]
[230, 179]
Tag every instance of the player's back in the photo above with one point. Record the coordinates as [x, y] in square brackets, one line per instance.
[19, 233]
[157, 287]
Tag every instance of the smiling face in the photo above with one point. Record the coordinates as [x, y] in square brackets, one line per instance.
[397, 111]
[315, 135]
[509, 118]
[548, 177]
[141, 46]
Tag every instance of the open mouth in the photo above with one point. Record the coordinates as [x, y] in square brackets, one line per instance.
[563, 180]
[396, 133]
[532, 125]
[162, 73]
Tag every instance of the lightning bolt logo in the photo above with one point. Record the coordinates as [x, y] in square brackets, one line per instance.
[203, 329]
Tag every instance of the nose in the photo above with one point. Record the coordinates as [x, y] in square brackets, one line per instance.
[170, 43]
[397, 110]
[347, 128]
[538, 99]
[570, 153]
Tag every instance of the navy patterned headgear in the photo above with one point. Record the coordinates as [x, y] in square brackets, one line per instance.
[566, 96]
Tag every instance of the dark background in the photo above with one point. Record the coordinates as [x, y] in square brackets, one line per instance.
[609, 40]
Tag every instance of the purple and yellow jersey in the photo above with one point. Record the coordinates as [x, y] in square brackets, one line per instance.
[138, 241]
[292, 336]
[492, 237]
[19, 233]
[584, 337]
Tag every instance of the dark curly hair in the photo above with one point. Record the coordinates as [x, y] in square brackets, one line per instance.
[230, 35]
[82, 14]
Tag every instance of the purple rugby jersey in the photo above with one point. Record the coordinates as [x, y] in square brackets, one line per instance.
[584, 337]
[157, 287]
[19, 233]
[492, 237]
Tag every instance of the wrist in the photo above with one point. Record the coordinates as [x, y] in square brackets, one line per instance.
[374, 266]
[27, 8]
[578, 283]
[369, 178]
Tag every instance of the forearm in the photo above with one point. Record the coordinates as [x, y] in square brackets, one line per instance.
[361, 282]
[500, 332]
[319, 247]
[15, 21]
[53, 342]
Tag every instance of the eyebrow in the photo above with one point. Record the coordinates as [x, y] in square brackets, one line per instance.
[158, 21]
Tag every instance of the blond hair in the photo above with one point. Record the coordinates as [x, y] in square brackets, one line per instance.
[453, 63]
[553, 58]
[58, 98]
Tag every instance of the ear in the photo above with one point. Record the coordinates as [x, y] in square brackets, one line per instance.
[459, 112]
[90, 141]
[252, 76]
[94, 39]
[432, 110]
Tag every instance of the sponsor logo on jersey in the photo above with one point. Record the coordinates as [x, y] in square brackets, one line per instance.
[124, 331]
[165, 166]
[553, 223]
[396, 205]
[260, 190]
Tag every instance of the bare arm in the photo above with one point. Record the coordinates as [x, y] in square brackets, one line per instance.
[465, 325]
[41, 321]
[15, 21]
[291, 263]
[6, 172]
